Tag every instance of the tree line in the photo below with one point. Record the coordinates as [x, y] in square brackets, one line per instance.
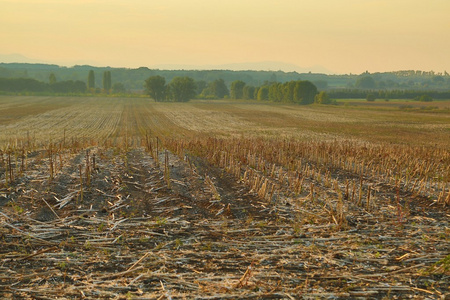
[182, 89]
[132, 79]
[295, 91]
[20, 85]
[386, 94]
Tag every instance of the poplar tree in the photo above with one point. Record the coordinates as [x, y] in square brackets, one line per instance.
[52, 78]
[91, 80]
[237, 89]
[107, 81]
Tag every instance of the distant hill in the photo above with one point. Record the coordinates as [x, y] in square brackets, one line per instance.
[255, 66]
[18, 58]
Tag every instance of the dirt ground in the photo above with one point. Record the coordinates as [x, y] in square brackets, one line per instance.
[135, 231]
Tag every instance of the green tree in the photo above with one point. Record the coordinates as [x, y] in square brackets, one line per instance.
[155, 86]
[202, 87]
[22, 84]
[91, 80]
[182, 89]
[365, 82]
[273, 92]
[249, 92]
[263, 93]
[237, 89]
[118, 88]
[219, 88]
[107, 81]
[52, 78]
[288, 93]
[304, 92]
[370, 97]
[322, 98]
[216, 89]
[438, 79]
[425, 98]
[69, 86]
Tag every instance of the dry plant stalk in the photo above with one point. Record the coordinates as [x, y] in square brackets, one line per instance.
[368, 198]
[212, 187]
[360, 193]
[88, 169]
[157, 151]
[50, 157]
[167, 168]
[247, 275]
[10, 168]
[81, 183]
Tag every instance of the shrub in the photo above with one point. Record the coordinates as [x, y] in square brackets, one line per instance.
[425, 98]
[370, 97]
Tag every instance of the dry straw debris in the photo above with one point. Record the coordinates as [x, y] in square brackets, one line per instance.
[149, 210]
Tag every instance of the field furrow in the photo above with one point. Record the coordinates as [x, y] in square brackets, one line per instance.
[111, 198]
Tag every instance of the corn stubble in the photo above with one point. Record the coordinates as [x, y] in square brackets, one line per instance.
[139, 213]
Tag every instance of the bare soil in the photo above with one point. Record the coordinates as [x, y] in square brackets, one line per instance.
[132, 232]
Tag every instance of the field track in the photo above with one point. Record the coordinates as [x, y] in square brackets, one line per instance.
[117, 198]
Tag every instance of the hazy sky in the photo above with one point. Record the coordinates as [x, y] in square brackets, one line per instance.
[344, 36]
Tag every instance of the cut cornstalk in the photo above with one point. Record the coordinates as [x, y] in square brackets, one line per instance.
[81, 182]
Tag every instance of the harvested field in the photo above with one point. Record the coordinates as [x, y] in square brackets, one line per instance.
[114, 198]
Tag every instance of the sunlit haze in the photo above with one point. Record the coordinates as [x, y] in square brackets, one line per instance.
[341, 36]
